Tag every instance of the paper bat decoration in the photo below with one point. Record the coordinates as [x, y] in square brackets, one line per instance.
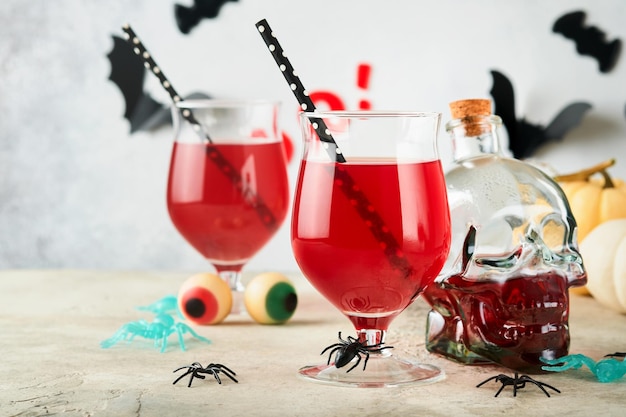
[128, 73]
[589, 40]
[188, 17]
[525, 138]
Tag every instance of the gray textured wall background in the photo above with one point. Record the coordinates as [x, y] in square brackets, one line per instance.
[78, 191]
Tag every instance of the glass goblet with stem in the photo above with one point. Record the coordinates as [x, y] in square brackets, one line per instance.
[370, 233]
[227, 191]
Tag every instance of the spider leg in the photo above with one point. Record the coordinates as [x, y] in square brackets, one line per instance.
[179, 333]
[487, 380]
[150, 332]
[131, 336]
[194, 374]
[186, 329]
[197, 336]
[217, 377]
[338, 345]
[225, 370]
[367, 358]
[567, 362]
[516, 384]
[543, 389]
[376, 347]
[232, 377]
[551, 387]
[119, 335]
[330, 354]
[540, 384]
[564, 367]
[126, 332]
[500, 390]
[505, 380]
[183, 367]
[222, 368]
[215, 368]
[520, 385]
[183, 375]
[164, 336]
[358, 360]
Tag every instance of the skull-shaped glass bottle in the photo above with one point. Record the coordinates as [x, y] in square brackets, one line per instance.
[503, 295]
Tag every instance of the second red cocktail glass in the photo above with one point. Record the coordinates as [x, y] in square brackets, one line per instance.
[228, 190]
[371, 233]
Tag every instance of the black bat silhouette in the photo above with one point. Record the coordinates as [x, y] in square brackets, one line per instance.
[525, 138]
[589, 40]
[128, 73]
[188, 17]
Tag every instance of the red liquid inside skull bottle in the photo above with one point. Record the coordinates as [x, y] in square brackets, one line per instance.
[506, 300]
[514, 322]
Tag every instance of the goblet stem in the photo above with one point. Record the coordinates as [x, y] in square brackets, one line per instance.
[372, 337]
[233, 279]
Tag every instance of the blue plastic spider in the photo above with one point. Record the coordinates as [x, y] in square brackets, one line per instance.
[605, 370]
[159, 329]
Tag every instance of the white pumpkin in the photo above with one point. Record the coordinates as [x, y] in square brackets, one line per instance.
[604, 255]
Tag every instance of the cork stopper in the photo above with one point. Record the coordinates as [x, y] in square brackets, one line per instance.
[468, 108]
[461, 109]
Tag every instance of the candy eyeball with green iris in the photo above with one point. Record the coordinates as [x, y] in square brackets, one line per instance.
[205, 299]
[270, 298]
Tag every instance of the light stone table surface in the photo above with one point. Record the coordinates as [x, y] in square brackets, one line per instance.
[52, 321]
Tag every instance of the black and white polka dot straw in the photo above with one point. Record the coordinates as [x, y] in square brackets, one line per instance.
[306, 104]
[265, 214]
[150, 64]
[346, 183]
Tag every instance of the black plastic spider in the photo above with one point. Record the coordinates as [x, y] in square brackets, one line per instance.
[349, 349]
[518, 383]
[197, 370]
[616, 355]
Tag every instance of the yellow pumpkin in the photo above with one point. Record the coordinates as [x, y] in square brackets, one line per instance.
[604, 253]
[593, 200]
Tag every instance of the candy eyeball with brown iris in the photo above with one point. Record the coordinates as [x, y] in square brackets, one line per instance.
[270, 298]
[205, 299]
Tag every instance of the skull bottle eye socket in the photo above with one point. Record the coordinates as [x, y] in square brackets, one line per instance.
[205, 299]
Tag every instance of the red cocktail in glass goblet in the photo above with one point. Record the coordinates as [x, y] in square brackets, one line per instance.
[372, 232]
[227, 196]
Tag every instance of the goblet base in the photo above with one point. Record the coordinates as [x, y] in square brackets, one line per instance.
[381, 371]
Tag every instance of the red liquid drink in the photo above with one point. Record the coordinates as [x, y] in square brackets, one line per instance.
[513, 322]
[337, 251]
[219, 220]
